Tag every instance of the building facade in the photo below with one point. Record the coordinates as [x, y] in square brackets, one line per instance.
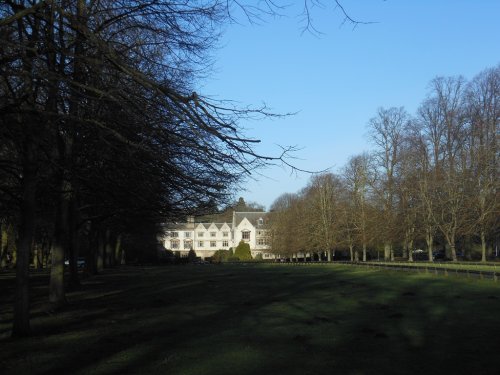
[206, 238]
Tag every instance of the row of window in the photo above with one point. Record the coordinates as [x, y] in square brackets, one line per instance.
[175, 244]
[200, 234]
[244, 234]
[188, 244]
[263, 241]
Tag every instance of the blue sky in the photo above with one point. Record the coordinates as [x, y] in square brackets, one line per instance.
[336, 81]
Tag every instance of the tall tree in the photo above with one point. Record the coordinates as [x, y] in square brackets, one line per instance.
[118, 74]
[446, 130]
[387, 134]
[323, 196]
[483, 115]
[286, 217]
[358, 177]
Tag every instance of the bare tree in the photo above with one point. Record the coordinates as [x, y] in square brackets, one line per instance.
[387, 134]
[287, 230]
[323, 196]
[409, 204]
[358, 178]
[121, 72]
[445, 130]
[483, 113]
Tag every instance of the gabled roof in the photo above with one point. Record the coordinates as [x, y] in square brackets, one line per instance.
[238, 217]
[179, 226]
[202, 225]
[207, 226]
[252, 217]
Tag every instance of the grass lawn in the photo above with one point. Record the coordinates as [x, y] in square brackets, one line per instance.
[259, 319]
[488, 267]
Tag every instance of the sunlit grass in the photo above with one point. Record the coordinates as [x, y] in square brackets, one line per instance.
[263, 319]
[449, 265]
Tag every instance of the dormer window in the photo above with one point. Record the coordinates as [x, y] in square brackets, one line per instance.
[260, 221]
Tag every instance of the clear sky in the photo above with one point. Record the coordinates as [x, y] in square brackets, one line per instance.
[336, 81]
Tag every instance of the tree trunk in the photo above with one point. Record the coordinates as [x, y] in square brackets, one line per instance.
[364, 252]
[13, 255]
[36, 264]
[123, 258]
[56, 288]
[387, 252]
[92, 254]
[410, 251]
[46, 252]
[351, 253]
[405, 245]
[21, 322]
[453, 251]
[483, 246]
[100, 252]
[108, 250]
[3, 245]
[118, 249]
[73, 248]
[430, 242]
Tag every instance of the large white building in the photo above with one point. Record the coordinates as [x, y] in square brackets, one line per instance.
[206, 238]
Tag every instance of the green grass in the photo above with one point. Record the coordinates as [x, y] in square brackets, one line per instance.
[489, 267]
[260, 319]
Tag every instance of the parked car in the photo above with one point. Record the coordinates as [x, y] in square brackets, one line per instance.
[80, 262]
[419, 254]
[438, 255]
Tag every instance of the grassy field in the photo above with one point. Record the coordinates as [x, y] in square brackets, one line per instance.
[488, 267]
[259, 319]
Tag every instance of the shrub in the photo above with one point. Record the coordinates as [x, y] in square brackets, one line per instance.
[191, 256]
[221, 256]
[242, 251]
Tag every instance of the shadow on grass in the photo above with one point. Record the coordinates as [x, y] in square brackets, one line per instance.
[264, 320]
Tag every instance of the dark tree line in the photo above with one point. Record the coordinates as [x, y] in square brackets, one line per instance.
[102, 133]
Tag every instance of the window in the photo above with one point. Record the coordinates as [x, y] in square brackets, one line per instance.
[262, 241]
[225, 234]
[259, 233]
[213, 243]
[225, 243]
[245, 235]
[213, 234]
[200, 244]
[174, 234]
[200, 234]
[174, 244]
[188, 244]
[187, 234]
[261, 221]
